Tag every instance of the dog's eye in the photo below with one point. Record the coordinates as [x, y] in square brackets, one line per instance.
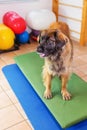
[50, 44]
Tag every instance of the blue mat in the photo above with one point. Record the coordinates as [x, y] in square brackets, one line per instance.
[36, 111]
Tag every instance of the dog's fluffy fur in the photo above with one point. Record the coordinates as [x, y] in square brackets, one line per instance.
[55, 47]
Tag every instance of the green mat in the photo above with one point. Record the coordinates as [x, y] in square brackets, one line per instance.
[67, 113]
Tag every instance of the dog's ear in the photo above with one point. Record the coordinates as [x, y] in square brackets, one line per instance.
[59, 43]
[56, 34]
[61, 39]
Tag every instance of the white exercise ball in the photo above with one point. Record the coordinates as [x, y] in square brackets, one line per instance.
[40, 19]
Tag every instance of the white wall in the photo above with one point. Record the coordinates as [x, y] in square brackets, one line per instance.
[22, 8]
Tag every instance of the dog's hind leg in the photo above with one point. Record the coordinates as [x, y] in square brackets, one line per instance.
[65, 94]
[47, 83]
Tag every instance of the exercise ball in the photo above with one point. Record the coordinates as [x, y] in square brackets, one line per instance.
[7, 37]
[15, 22]
[40, 19]
[23, 37]
[10, 16]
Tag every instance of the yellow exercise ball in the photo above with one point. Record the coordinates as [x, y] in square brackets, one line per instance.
[7, 37]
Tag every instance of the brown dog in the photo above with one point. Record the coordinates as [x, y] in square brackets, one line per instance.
[56, 48]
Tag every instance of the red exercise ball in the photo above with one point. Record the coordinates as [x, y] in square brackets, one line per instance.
[18, 25]
[10, 16]
[15, 22]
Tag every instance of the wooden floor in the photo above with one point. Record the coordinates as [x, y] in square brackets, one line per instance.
[12, 116]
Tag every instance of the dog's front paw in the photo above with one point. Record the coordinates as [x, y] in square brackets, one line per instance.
[47, 94]
[66, 95]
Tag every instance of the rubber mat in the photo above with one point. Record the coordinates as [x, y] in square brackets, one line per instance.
[67, 113]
